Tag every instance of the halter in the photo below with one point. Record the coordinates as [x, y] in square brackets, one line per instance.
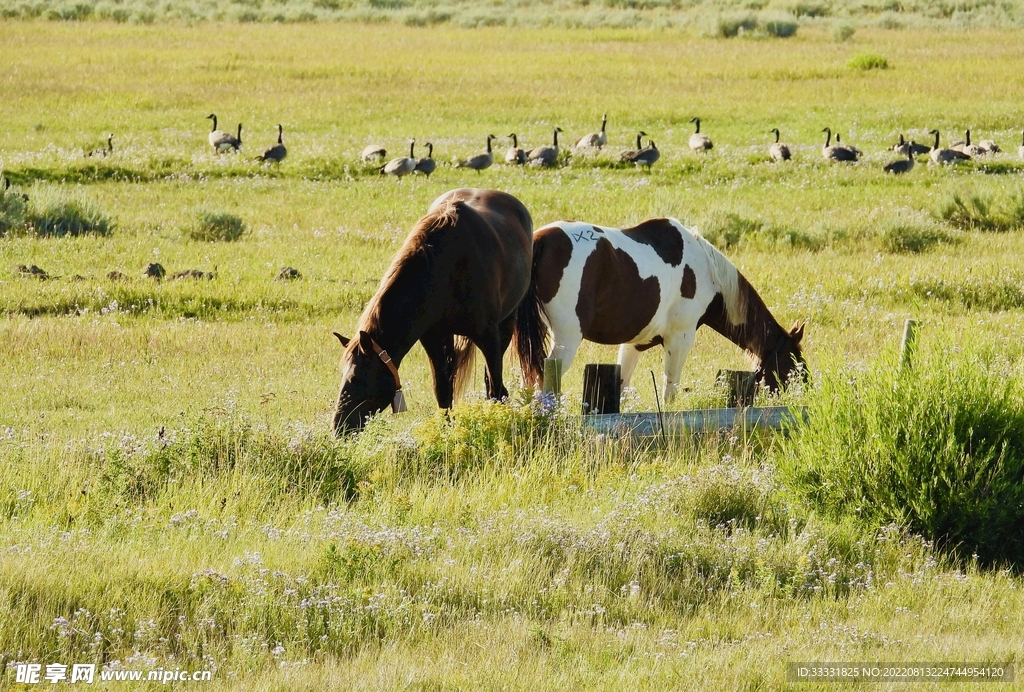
[398, 404]
[761, 372]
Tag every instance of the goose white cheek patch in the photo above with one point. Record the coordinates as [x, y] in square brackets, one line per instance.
[398, 404]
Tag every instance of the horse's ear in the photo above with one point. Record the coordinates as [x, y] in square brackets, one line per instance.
[366, 342]
[797, 333]
[343, 339]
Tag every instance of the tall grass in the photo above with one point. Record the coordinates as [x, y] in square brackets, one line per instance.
[58, 211]
[937, 448]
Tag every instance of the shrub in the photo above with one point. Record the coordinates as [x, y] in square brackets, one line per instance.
[213, 226]
[12, 212]
[938, 449]
[841, 33]
[57, 211]
[779, 26]
[977, 213]
[910, 237]
[731, 25]
[727, 229]
[805, 8]
[483, 433]
[868, 61]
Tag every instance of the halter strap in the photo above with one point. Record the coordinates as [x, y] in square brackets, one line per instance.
[383, 355]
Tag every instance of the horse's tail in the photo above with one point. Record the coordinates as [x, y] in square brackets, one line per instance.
[465, 356]
[531, 333]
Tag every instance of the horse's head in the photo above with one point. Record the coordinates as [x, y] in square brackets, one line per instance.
[784, 361]
[368, 384]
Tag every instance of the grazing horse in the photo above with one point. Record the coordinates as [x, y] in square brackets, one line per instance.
[653, 284]
[459, 279]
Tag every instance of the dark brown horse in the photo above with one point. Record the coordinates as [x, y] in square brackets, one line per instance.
[461, 278]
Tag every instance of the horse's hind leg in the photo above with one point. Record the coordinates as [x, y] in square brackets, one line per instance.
[505, 330]
[440, 348]
[493, 344]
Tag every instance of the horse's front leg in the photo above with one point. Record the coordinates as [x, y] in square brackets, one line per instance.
[629, 356]
[440, 350]
[676, 349]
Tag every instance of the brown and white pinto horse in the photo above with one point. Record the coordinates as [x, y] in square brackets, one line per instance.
[653, 284]
[461, 278]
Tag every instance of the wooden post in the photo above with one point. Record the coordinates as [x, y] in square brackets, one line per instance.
[741, 384]
[909, 344]
[602, 388]
[552, 376]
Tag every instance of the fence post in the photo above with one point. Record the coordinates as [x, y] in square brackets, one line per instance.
[602, 388]
[909, 344]
[552, 376]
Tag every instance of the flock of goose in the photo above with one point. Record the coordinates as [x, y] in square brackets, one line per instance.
[643, 155]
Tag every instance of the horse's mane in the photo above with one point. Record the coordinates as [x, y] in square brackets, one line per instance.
[417, 249]
[416, 246]
[725, 274]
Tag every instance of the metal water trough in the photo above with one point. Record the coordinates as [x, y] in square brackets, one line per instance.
[601, 392]
[683, 422]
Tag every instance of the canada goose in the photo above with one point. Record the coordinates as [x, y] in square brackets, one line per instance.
[966, 147]
[629, 156]
[837, 152]
[945, 155]
[221, 140]
[594, 140]
[986, 146]
[277, 152]
[900, 166]
[699, 142]
[647, 156]
[1020, 149]
[857, 152]
[373, 153]
[480, 161]
[403, 165]
[427, 165]
[515, 155]
[903, 146]
[24, 197]
[778, 151]
[545, 155]
[103, 152]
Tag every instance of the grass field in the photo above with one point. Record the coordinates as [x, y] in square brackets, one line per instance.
[500, 550]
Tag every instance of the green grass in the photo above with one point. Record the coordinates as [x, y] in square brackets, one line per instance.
[170, 490]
